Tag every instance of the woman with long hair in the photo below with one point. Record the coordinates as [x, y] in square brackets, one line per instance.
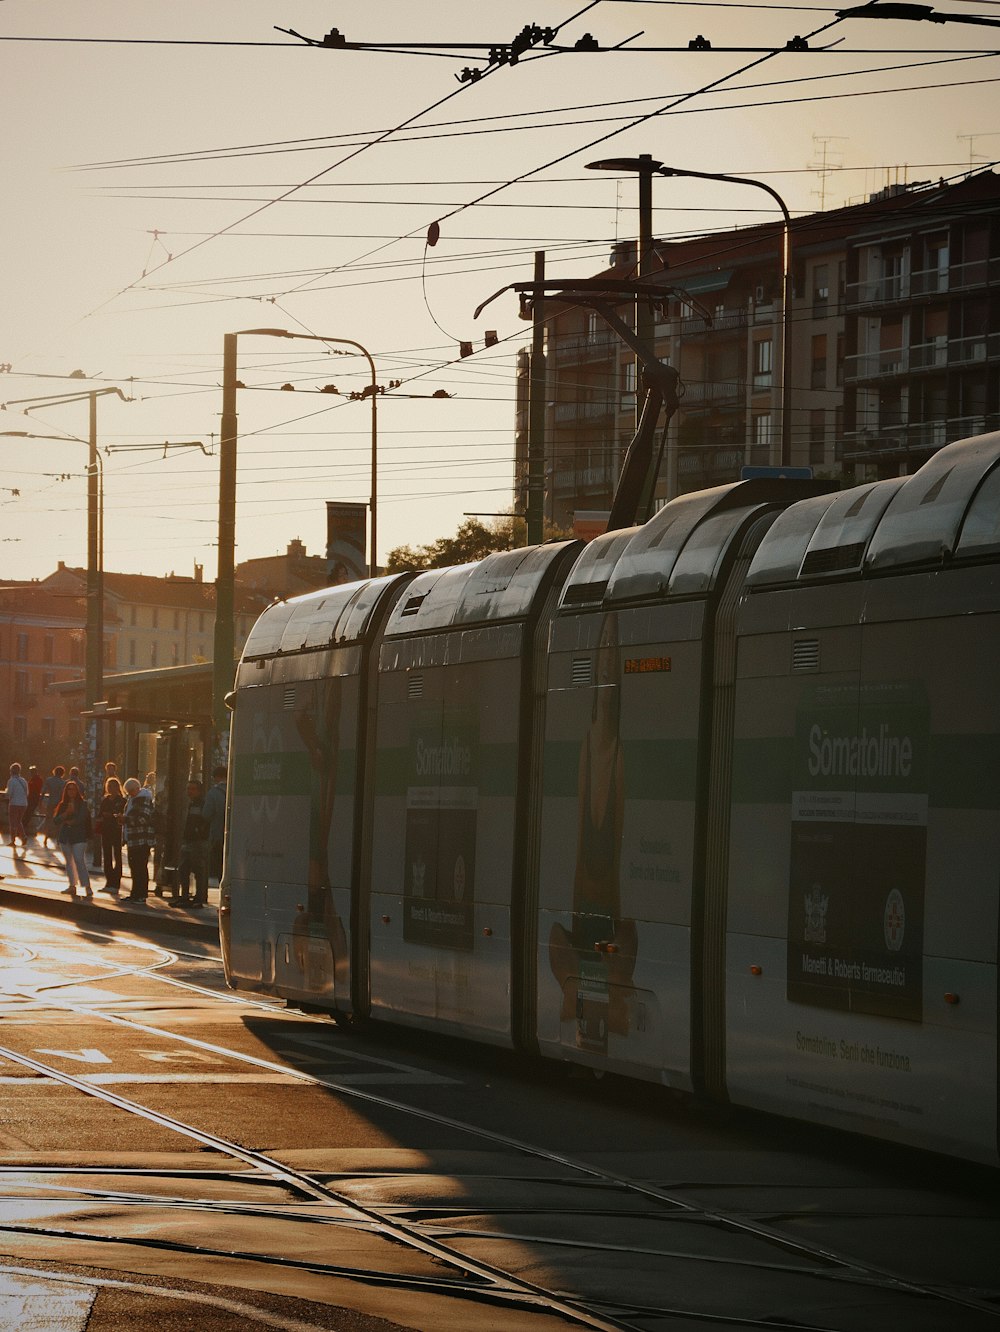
[110, 816]
[73, 830]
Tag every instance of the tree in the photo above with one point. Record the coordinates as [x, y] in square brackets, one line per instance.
[473, 541]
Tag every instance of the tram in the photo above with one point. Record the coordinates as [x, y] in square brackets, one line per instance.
[713, 801]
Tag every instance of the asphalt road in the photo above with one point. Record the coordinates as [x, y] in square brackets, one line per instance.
[176, 1156]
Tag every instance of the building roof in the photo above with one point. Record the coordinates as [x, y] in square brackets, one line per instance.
[147, 590]
[38, 602]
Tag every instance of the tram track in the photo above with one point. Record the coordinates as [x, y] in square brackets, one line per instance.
[423, 1224]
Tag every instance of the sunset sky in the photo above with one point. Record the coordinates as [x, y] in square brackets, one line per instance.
[190, 171]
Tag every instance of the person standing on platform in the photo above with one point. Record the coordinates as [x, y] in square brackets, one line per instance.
[52, 789]
[139, 837]
[193, 858]
[74, 829]
[111, 815]
[215, 812]
[17, 806]
[34, 796]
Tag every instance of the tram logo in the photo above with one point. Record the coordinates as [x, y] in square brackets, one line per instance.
[894, 920]
[815, 904]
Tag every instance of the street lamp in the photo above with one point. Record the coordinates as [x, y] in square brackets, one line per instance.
[94, 669]
[224, 648]
[646, 166]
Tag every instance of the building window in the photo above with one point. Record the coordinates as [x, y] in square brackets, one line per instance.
[817, 435]
[177, 619]
[156, 617]
[76, 648]
[48, 649]
[762, 432]
[840, 360]
[175, 654]
[821, 290]
[22, 687]
[817, 376]
[109, 652]
[133, 616]
[762, 363]
[201, 622]
[627, 381]
[48, 728]
[152, 654]
[20, 729]
[200, 652]
[131, 652]
[21, 653]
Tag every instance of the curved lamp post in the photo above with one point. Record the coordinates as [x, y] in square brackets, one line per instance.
[647, 167]
[224, 647]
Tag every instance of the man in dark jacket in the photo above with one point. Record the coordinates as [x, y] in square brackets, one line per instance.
[215, 812]
[193, 858]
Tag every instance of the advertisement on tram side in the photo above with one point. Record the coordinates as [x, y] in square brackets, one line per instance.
[442, 804]
[291, 825]
[859, 849]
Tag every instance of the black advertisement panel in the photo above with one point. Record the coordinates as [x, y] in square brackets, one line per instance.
[440, 850]
[859, 850]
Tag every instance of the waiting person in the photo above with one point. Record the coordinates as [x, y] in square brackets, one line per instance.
[52, 789]
[17, 806]
[34, 796]
[111, 816]
[74, 828]
[139, 836]
[193, 858]
[215, 812]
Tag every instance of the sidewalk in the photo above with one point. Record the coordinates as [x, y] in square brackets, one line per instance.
[34, 880]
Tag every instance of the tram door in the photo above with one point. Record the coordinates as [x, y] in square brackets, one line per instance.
[179, 759]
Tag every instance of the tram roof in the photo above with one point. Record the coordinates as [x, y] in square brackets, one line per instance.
[679, 552]
[328, 618]
[502, 587]
[949, 508]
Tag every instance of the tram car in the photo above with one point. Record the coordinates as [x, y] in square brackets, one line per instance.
[713, 801]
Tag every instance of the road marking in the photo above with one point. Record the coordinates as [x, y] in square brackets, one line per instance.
[34, 1302]
[87, 1056]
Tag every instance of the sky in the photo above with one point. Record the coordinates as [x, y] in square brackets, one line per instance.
[175, 173]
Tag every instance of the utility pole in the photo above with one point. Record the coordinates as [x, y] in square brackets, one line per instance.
[94, 671]
[222, 656]
[644, 322]
[536, 416]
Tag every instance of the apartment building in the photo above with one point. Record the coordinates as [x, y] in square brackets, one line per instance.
[42, 642]
[891, 329]
[162, 621]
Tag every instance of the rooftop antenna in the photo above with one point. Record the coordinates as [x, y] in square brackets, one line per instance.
[825, 167]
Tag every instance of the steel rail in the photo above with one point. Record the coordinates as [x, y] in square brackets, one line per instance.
[841, 1266]
[497, 1284]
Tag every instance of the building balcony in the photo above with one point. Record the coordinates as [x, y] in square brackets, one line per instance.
[585, 481]
[942, 353]
[712, 393]
[917, 437]
[579, 347]
[569, 413]
[922, 282]
[727, 322]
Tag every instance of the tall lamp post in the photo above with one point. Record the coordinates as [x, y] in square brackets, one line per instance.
[646, 167]
[224, 648]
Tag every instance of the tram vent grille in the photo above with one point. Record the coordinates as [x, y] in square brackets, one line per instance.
[288, 696]
[581, 671]
[805, 654]
[580, 593]
[413, 604]
[835, 559]
[415, 686]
